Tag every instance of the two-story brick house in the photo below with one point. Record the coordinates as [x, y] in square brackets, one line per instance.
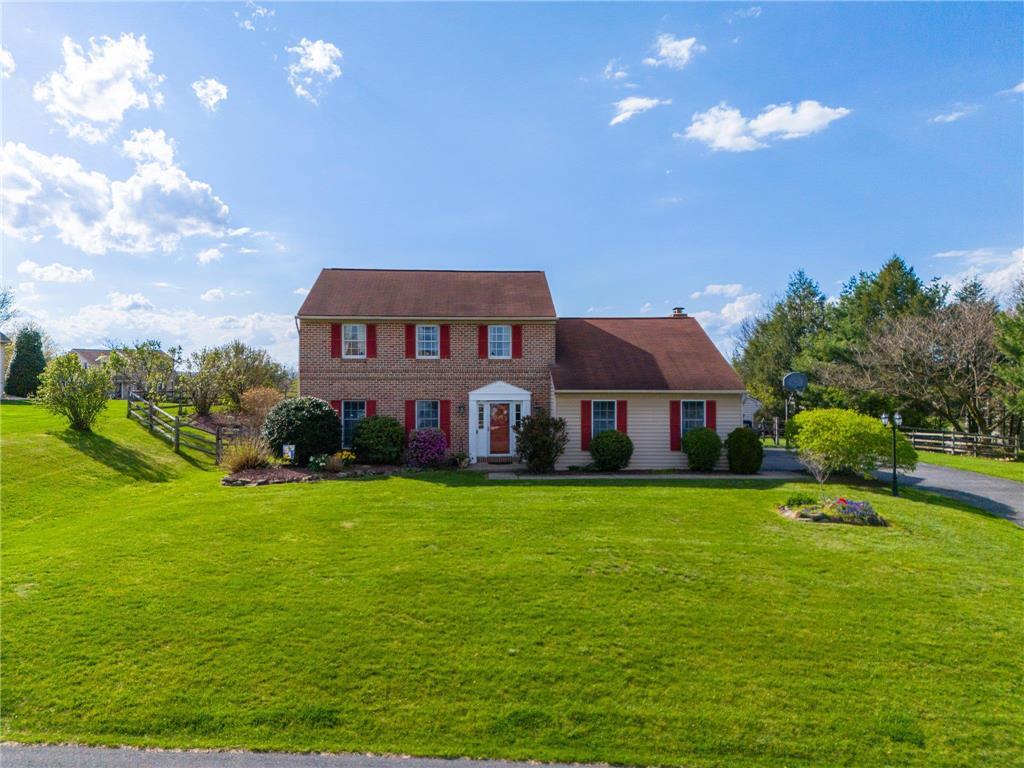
[473, 352]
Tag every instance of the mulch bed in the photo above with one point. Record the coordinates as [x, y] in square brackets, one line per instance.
[279, 474]
[214, 420]
[820, 514]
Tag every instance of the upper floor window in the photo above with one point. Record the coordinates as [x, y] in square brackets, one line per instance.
[693, 415]
[428, 341]
[428, 414]
[352, 412]
[353, 341]
[602, 417]
[499, 341]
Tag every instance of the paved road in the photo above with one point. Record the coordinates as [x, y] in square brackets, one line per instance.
[995, 495]
[31, 756]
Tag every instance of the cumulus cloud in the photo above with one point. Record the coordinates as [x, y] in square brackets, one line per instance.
[210, 92]
[54, 273]
[612, 71]
[90, 95]
[7, 65]
[301, 291]
[209, 255]
[1018, 88]
[154, 208]
[722, 325]
[214, 294]
[315, 66]
[129, 302]
[634, 105]
[674, 53]
[725, 128]
[719, 289]
[997, 270]
[254, 16]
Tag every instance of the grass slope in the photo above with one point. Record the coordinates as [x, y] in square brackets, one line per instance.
[440, 614]
[1009, 470]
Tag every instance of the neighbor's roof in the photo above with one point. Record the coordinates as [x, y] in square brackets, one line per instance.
[414, 293]
[638, 354]
[91, 356]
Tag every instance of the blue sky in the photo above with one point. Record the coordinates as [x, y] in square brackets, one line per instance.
[644, 156]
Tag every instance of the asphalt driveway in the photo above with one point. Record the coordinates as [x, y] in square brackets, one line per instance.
[995, 495]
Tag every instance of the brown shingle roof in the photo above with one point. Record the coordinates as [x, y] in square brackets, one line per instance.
[428, 294]
[91, 356]
[639, 354]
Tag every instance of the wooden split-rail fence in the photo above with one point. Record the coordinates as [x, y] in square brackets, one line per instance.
[170, 427]
[962, 443]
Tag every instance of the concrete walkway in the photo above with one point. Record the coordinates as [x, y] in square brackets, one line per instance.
[68, 756]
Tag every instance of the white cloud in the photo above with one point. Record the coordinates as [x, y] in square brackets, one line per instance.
[1018, 88]
[747, 13]
[130, 316]
[316, 65]
[725, 128]
[674, 53]
[147, 146]
[214, 294]
[91, 94]
[719, 289]
[301, 291]
[210, 92]
[54, 273]
[735, 312]
[634, 105]
[646, 308]
[209, 255]
[959, 112]
[7, 65]
[594, 310]
[255, 15]
[612, 71]
[129, 302]
[154, 208]
[997, 270]
[248, 250]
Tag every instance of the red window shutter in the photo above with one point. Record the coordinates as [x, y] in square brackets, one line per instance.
[481, 341]
[584, 425]
[711, 414]
[446, 341]
[371, 408]
[410, 340]
[446, 420]
[410, 416]
[675, 426]
[517, 341]
[621, 419]
[371, 340]
[336, 405]
[335, 339]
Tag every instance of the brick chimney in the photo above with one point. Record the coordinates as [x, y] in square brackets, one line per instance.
[678, 312]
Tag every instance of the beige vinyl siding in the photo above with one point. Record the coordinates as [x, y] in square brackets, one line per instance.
[648, 425]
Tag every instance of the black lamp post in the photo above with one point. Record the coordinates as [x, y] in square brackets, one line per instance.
[896, 422]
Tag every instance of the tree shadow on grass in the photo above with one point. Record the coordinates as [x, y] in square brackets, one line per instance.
[124, 461]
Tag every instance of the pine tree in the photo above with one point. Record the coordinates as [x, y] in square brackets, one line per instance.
[27, 364]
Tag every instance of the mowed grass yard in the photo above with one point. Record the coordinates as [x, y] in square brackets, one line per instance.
[444, 614]
[1008, 470]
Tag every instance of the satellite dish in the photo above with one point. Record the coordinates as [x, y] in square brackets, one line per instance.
[795, 382]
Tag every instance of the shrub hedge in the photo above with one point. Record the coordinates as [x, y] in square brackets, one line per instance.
[744, 450]
[611, 450]
[379, 440]
[309, 423]
[702, 447]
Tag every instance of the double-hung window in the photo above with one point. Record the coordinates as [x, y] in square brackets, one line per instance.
[353, 340]
[693, 415]
[352, 412]
[428, 414]
[428, 341]
[602, 417]
[499, 341]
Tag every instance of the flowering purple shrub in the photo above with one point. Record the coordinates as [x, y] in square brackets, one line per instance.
[427, 448]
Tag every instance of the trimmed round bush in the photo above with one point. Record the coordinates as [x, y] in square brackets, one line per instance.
[379, 440]
[611, 450]
[309, 423]
[744, 451]
[540, 440]
[702, 447]
[427, 448]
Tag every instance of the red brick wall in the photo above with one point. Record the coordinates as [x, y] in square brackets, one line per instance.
[391, 378]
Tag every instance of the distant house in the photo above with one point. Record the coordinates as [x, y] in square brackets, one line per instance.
[472, 352]
[122, 385]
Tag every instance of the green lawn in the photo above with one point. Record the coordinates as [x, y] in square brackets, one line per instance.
[442, 614]
[1010, 470]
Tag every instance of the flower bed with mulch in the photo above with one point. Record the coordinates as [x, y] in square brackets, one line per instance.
[835, 511]
[274, 475]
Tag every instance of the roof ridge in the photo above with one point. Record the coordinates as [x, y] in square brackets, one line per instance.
[474, 271]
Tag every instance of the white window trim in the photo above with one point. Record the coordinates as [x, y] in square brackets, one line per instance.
[492, 356]
[417, 419]
[417, 340]
[343, 353]
[682, 419]
[615, 416]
